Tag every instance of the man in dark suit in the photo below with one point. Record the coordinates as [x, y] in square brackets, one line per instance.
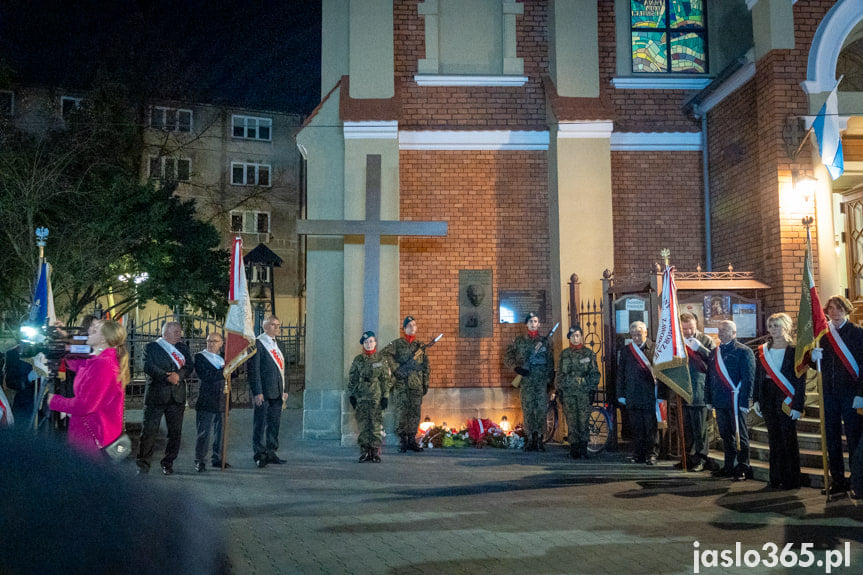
[639, 393]
[267, 384]
[698, 348]
[209, 365]
[730, 376]
[842, 388]
[167, 363]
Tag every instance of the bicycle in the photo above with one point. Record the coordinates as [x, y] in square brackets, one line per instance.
[599, 423]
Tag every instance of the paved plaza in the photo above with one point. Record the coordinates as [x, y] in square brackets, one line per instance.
[496, 511]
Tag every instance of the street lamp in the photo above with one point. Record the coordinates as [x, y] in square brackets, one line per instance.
[804, 186]
[138, 279]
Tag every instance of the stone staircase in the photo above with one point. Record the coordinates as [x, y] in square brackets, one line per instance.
[808, 438]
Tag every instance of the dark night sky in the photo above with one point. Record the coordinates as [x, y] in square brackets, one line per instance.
[255, 53]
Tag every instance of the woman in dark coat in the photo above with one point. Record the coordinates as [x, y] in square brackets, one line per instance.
[777, 385]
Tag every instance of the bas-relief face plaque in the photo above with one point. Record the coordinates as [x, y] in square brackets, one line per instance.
[475, 310]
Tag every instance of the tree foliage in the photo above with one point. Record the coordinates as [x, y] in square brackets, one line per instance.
[81, 180]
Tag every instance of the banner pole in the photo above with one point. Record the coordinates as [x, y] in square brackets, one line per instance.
[225, 422]
[680, 435]
[824, 463]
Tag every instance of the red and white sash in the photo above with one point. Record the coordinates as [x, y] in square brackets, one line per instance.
[661, 404]
[273, 350]
[696, 359]
[641, 358]
[726, 380]
[842, 350]
[6, 417]
[172, 351]
[662, 413]
[774, 372]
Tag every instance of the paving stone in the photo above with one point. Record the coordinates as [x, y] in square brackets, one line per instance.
[489, 511]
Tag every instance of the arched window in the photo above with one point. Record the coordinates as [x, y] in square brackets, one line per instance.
[850, 65]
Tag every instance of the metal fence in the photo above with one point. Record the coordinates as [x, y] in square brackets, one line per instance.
[196, 328]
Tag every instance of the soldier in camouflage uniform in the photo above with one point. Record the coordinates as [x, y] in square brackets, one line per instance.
[578, 377]
[369, 385]
[536, 378]
[411, 381]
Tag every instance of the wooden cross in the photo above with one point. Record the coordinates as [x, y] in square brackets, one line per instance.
[371, 228]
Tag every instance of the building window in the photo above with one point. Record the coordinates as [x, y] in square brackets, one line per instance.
[68, 105]
[7, 103]
[663, 27]
[252, 128]
[170, 119]
[250, 174]
[170, 169]
[260, 274]
[250, 222]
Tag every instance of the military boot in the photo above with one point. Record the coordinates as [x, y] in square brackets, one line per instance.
[528, 443]
[366, 454]
[412, 444]
[574, 451]
[582, 447]
[403, 443]
[375, 454]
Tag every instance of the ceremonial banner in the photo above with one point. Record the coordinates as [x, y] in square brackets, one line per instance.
[670, 361]
[826, 126]
[811, 321]
[42, 310]
[239, 324]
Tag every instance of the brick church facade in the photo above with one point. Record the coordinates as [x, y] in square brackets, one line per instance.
[532, 131]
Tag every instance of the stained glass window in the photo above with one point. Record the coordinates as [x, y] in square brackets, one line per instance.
[663, 29]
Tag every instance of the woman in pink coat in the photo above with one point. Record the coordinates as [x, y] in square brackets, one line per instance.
[97, 409]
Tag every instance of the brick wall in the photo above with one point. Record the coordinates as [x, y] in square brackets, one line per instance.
[460, 107]
[658, 203]
[636, 110]
[754, 224]
[496, 205]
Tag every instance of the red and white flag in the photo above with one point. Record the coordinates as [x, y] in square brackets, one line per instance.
[239, 325]
[670, 360]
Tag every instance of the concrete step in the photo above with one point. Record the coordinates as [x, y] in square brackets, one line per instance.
[808, 457]
[812, 476]
[806, 440]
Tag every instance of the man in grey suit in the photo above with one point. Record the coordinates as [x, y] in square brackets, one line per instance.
[167, 363]
[267, 383]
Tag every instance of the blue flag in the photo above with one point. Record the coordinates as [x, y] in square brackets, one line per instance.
[826, 126]
[42, 310]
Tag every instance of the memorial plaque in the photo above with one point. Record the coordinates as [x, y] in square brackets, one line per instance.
[515, 304]
[475, 313]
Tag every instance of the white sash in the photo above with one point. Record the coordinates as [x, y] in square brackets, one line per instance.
[274, 352]
[735, 390]
[172, 351]
[215, 359]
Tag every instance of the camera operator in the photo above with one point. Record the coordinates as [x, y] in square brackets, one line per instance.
[96, 409]
[20, 377]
